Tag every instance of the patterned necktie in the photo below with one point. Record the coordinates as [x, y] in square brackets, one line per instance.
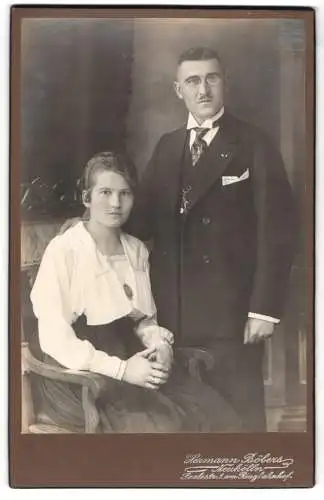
[199, 145]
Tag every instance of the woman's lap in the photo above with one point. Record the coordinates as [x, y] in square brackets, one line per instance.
[205, 409]
[183, 404]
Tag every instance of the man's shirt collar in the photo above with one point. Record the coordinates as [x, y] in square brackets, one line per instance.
[192, 123]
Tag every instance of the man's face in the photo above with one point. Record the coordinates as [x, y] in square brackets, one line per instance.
[200, 85]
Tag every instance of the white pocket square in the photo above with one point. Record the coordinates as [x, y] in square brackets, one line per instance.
[230, 179]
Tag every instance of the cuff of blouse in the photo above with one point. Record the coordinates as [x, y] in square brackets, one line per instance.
[121, 370]
[111, 366]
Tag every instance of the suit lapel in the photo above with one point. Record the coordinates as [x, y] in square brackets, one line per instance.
[212, 164]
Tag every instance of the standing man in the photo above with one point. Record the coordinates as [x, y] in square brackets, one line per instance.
[216, 202]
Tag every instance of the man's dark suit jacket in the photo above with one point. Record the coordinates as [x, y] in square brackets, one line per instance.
[231, 253]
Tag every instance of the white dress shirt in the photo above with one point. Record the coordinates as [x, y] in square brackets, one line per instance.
[74, 278]
[208, 137]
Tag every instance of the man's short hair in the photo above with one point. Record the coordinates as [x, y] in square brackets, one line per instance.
[198, 54]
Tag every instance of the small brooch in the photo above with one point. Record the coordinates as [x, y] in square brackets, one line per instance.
[128, 291]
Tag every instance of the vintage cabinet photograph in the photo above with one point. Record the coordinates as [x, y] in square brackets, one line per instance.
[162, 196]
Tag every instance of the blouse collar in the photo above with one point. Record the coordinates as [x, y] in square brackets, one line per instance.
[131, 250]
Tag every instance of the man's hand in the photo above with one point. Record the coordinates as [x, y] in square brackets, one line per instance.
[257, 329]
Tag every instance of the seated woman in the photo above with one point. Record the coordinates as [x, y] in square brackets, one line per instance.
[95, 311]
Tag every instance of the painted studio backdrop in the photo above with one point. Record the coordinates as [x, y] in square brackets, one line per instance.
[97, 84]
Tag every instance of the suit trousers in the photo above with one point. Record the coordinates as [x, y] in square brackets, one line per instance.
[238, 376]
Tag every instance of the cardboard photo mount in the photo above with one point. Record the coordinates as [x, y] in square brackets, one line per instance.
[281, 458]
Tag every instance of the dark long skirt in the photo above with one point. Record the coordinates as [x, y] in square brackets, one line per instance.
[183, 404]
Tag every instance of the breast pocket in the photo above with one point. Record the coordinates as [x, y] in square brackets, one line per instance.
[230, 180]
[236, 197]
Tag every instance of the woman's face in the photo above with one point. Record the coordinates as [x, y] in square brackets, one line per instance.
[111, 199]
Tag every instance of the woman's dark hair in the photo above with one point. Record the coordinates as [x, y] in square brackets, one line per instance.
[109, 161]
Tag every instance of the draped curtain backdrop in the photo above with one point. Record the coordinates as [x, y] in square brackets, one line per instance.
[75, 86]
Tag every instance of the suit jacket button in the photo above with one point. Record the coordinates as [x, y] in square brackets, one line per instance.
[206, 259]
[206, 221]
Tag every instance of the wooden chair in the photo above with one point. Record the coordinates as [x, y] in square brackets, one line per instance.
[91, 384]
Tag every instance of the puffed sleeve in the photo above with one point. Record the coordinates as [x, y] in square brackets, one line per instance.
[51, 298]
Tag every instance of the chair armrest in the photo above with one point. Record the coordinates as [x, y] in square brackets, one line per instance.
[192, 357]
[95, 382]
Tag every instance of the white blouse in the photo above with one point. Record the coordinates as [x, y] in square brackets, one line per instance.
[75, 278]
